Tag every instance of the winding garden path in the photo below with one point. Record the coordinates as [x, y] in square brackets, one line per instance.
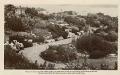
[32, 53]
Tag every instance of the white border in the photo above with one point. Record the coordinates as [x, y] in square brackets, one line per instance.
[80, 2]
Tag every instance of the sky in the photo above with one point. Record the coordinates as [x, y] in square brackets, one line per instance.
[111, 10]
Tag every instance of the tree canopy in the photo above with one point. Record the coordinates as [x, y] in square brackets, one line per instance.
[92, 44]
[31, 12]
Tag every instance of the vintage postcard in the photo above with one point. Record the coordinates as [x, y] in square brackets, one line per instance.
[60, 37]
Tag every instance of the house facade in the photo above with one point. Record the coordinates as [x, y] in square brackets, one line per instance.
[20, 10]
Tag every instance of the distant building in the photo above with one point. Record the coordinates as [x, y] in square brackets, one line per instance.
[20, 10]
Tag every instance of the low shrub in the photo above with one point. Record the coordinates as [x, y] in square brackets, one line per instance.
[112, 36]
[75, 29]
[21, 40]
[97, 54]
[39, 39]
[59, 53]
[47, 66]
[16, 37]
[94, 45]
[27, 44]
[57, 31]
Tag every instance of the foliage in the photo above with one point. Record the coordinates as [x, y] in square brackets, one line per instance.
[9, 10]
[21, 40]
[12, 60]
[11, 21]
[88, 66]
[106, 20]
[93, 22]
[75, 21]
[33, 23]
[46, 66]
[75, 29]
[57, 31]
[28, 22]
[112, 36]
[41, 24]
[94, 45]
[16, 37]
[59, 53]
[31, 12]
[15, 24]
[27, 44]
[40, 32]
[70, 12]
[44, 16]
[64, 34]
[39, 39]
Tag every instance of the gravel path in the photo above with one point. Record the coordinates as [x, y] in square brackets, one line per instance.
[32, 53]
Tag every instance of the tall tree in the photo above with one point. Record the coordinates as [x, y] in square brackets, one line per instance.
[9, 12]
[9, 9]
[31, 12]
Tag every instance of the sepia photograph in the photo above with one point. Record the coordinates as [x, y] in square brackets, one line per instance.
[60, 37]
